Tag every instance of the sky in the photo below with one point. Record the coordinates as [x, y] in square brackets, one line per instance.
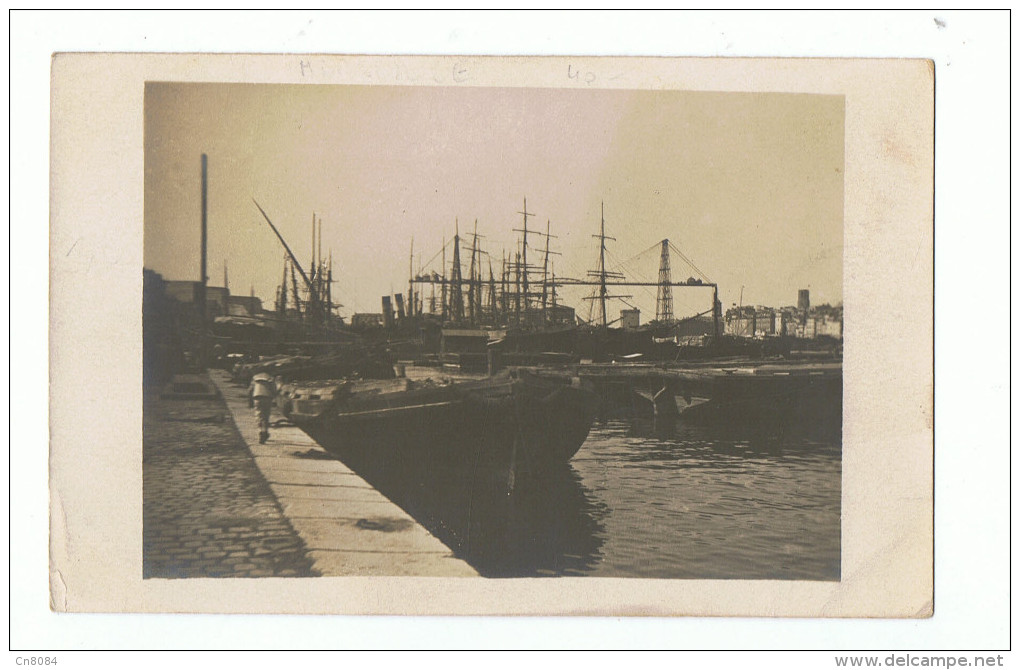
[749, 186]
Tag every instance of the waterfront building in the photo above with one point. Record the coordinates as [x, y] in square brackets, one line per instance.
[363, 320]
[630, 319]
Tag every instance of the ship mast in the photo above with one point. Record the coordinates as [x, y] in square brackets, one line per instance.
[321, 285]
[410, 282]
[517, 287]
[545, 273]
[552, 269]
[329, 285]
[601, 274]
[522, 264]
[314, 310]
[504, 295]
[457, 295]
[294, 288]
[311, 270]
[492, 292]
[443, 301]
[420, 306]
[602, 264]
[281, 299]
[474, 280]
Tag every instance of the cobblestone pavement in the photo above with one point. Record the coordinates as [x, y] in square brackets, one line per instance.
[207, 510]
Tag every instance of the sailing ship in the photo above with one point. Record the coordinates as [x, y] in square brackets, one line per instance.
[519, 312]
[513, 313]
[314, 341]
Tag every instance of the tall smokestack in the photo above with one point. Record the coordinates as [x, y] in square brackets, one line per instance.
[203, 279]
[399, 297]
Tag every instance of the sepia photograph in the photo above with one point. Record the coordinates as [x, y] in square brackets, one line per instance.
[496, 332]
[491, 336]
[500, 330]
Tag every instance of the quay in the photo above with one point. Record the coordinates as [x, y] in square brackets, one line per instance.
[719, 378]
[207, 510]
[218, 503]
[762, 392]
[740, 372]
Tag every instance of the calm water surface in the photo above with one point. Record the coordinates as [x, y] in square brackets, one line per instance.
[703, 505]
[690, 503]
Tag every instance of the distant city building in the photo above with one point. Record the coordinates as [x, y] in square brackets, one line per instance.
[753, 322]
[820, 326]
[630, 318]
[760, 322]
[803, 300]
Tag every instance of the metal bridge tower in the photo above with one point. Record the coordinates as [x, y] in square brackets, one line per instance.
[664, 302]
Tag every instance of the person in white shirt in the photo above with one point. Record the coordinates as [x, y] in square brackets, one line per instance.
[261, 392]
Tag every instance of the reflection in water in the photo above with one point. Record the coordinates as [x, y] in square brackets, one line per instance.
[548, 526]
[644, 499]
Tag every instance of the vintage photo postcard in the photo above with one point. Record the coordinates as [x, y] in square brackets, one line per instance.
[483, 335]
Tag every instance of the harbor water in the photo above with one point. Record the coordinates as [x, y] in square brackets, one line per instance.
[702, 505]
[640, 500]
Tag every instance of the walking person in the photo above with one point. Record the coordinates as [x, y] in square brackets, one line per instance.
[261, 392]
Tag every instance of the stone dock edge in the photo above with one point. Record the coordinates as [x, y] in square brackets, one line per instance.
[349, 528]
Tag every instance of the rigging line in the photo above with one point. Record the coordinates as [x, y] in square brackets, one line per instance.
[436, 255]
[646, 289]
[612, 256]
[639, 275]
[649, 294]
[694, 267]
[621, 263]
[632, 264]
[680, 305]
[679, 253]
[628, 303]
[655, 246]
[647, 261]
[572, 268]
[591, 305]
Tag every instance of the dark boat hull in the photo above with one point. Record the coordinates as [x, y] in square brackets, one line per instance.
[512, 425]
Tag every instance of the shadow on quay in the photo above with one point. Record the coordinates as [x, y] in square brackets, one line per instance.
[547, 526]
